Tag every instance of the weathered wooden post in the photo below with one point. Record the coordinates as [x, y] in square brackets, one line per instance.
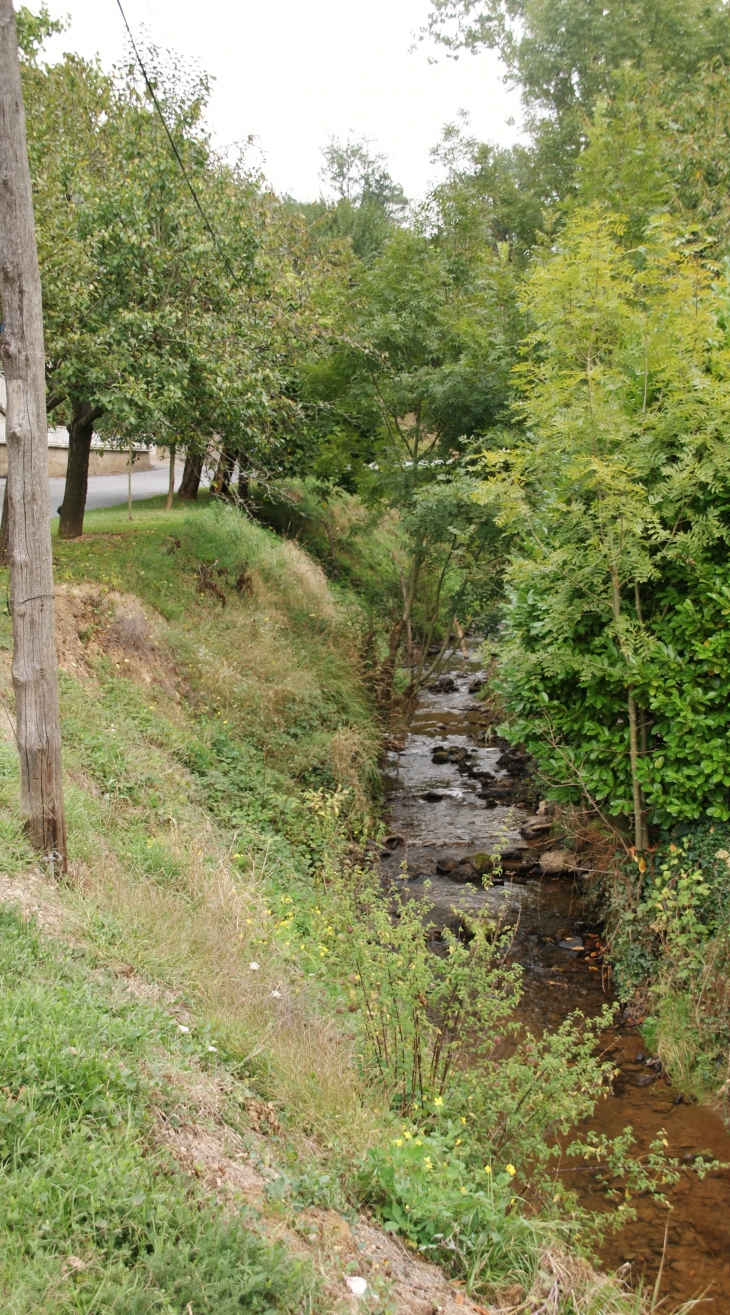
[35, 676]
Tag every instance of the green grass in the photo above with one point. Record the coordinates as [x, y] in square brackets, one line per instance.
[92, 1217]
[220, 754]
[193, 796]
[276, 661]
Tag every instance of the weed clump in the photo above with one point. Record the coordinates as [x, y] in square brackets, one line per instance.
[671, 951]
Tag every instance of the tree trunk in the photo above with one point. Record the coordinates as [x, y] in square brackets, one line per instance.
[222, 481]
[80, 434]
[4, 559]
[244, 484]
[640, 829]
[192, 475]
[171, 481]
[384, 692]
[640, 838]
[35, 677]
[409, 628]
[386, 678]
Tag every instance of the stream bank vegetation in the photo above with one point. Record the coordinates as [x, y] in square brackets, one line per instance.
[611, 483]
[221, 970]
[503, 408]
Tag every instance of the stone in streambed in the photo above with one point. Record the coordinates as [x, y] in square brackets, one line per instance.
[536, 828]
[463, 872]
[500, 790]
[460, 869]
[446, 865]
[557, 863]
[444, 685]
[482, 862]
[515, 854]
[514, 761]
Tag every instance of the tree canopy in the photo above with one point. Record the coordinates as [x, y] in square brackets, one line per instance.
[527, 368]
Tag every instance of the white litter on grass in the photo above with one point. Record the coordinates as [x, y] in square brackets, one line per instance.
[276, 995]
[183, 1028]
[358, 1286]
[213, 1050]
[254, 966]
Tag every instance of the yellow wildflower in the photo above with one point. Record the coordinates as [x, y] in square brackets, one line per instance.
[510, 1170]
[438, 1101]
[487, 1168]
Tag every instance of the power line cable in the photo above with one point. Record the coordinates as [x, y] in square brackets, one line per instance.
[176, 152]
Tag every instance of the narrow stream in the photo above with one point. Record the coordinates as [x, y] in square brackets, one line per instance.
[453, 795]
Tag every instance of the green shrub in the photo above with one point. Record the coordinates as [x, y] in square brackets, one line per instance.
[483, 1108]
[462, 1214]
[670, 938]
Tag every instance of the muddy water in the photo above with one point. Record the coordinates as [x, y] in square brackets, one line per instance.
[438, 810]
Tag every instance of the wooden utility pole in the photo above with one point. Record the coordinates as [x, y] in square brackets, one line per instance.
[35, 677]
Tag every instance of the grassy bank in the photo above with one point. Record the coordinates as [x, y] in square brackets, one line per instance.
[94, 1214]
[210, 701]
[196, 1105]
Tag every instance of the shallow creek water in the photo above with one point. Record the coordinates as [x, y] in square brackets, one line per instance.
[439, 813]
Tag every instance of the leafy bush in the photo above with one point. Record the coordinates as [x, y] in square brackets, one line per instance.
[670, 937]
[484, 1108]
[614, 493]
[417, 1008]
[466, 1217]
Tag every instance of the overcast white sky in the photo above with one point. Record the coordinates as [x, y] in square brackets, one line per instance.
[295, 73]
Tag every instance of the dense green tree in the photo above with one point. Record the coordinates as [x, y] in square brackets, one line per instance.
[652, 147]
[563, 55]
[492, 195]
[619, 491]
[415, 366]
[159, 324]
[368, 203]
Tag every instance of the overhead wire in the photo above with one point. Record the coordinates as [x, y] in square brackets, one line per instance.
[176, 153]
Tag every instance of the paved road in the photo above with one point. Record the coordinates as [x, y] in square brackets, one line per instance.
[110, 490]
